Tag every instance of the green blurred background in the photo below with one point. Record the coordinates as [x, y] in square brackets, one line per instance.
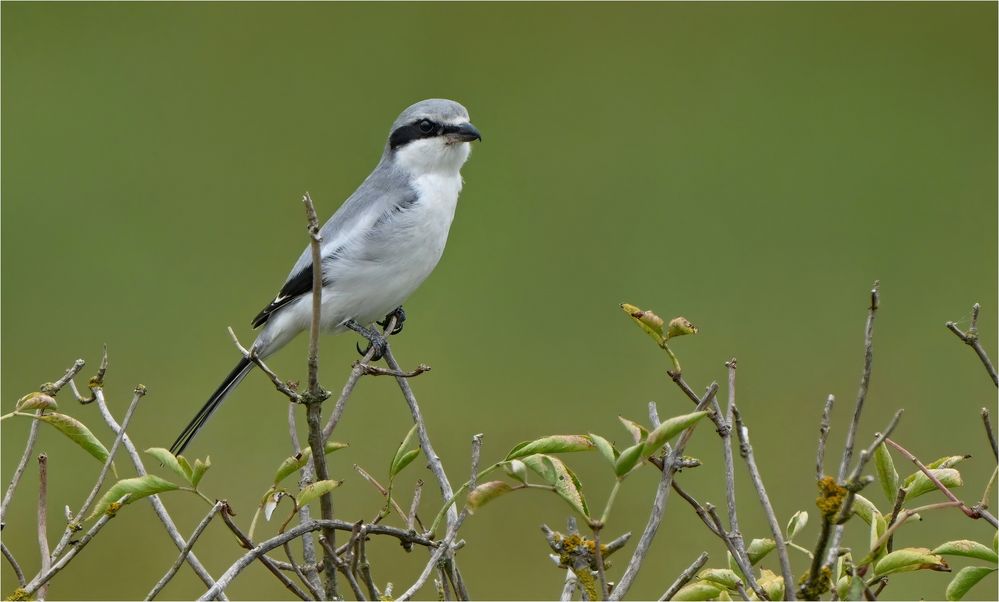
[753, 167]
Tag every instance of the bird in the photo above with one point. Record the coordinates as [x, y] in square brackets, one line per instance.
[377, 248]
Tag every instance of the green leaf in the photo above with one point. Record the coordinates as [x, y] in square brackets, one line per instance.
[551, 445]
[771, 583]
[516, 470]
[638, 432]
[866, 510]
[944, 462]
[910, 559]
[486, 493]
[80, 434]
[698, 590]
[921, 483]
[554, 472]
[605, 448]
[171, 461]
[759, 548]
[668, 429]
[798, 521]
[184, 464]
[878, 527]
[296, 462]
[200, 468]
[403, 455]
[35, 401]
[968, 548]
[311, 492]
[964, 580]
[726, 578]
[136, 488]
[887, 475]
[629, 459]
[856, 590]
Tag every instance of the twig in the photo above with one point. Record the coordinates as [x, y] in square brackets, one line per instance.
[21, 466]
[428, 451]
[902, 518]
[971, 338]
[445, 546]
[746, 450]
[304, 514]
[43, 536]
[598, 556]
[865, 381]
[569, 586]
[158, 507]
[184, 552]
[899, 500]
[658, 505]
[685, 577]
[987, 420]
[975, 513]
[378, 371]
[246, 543]
[50, 389]
[139, 393]
[342, 567]
[348, 387]
[279, 384]
[44, 577]
[709, 516]
[734, 533]
[53, 388]
[365, 566]
[824, 426]
[383, 491]
[411, 518]
[13, 564]
[315, 240]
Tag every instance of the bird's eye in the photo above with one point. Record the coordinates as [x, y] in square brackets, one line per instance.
[426, 126]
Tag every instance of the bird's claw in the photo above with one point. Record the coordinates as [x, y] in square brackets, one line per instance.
[400, 316]
[378, 343]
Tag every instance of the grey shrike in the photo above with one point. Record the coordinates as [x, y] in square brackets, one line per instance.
[377, 248]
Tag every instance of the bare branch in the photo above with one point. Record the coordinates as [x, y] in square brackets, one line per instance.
[21, 466]
[279, 384]
[746, 449]
[45, 576]
[378, 371]
[43, 536]
[342, 567]
[971, 338]
[139, 393]
[865, 381]
[53, 388]
[13, 564]
[445, 546]
[824, 426]
[158, 507]
[685, 577]
[304, 514]
[184, 552]
[246, 543]
[975, 513]
[658, 504]
[987, 420]
[348, 387]
[411, 518]
[365, 566]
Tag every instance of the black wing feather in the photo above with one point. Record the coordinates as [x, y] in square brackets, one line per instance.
[296, 286]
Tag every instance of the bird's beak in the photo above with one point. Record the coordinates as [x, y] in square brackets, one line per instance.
[463, 132]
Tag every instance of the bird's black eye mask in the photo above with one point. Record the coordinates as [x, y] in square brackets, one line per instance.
[421, 128]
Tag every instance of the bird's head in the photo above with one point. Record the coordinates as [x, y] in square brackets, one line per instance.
[432, 135]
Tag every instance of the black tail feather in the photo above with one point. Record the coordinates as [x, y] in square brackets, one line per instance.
[210, 406]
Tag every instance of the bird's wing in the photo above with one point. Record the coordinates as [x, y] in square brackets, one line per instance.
[384, 191]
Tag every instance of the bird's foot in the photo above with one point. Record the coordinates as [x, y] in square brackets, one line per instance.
[375, 340]
[400, 316]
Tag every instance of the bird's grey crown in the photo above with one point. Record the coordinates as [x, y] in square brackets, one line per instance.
[440, 110]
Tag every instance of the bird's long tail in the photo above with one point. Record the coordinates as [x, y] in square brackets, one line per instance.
[238, 373]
